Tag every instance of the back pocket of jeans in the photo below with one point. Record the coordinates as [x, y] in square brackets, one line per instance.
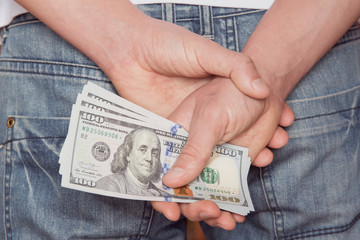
[32, 182]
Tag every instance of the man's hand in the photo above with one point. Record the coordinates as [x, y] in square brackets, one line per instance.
[217, 113]
[157, 64]
[165, 63]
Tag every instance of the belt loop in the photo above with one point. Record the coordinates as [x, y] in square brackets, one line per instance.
[206, 21]
[3, 35]
[168, 12]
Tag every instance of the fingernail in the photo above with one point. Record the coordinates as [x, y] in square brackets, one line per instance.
[238, 218]
[219, 225]
[258, 84]
[204, 215]
[175, 173]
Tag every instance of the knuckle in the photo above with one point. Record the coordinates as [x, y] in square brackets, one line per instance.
[190, 153]
[189, 212]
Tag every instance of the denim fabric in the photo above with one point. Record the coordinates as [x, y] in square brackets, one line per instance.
[310, 191]
[40, 76]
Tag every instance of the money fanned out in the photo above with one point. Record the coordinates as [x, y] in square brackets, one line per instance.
[97, 156]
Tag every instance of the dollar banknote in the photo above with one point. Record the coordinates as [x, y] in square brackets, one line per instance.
[107, 134]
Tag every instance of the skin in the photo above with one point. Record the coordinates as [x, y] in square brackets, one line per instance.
[147, 59]
[288, 41]
[145, 71]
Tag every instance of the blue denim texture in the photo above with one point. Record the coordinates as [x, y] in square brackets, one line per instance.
[310, 191]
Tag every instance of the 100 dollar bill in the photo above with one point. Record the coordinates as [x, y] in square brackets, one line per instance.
[97, 138]
[96, 133]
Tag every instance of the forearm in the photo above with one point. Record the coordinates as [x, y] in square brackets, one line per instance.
[89, 25]
[294, 35]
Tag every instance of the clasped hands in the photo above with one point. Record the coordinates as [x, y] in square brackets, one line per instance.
[214, 93]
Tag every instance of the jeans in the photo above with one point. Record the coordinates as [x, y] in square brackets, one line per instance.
[310, 191]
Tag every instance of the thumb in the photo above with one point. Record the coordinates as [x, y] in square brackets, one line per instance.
[204, 134]
[239, 67]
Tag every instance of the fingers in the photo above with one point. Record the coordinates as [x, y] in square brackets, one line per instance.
[206, 211]
[287, 116]
[209, 212]
[171, 210]
[246, 78]
[279, 139]
[201, 210]
[194, 56]
[205, 133]
[236, 66]
[238, 218]
[224, 221]
[214, 119]
[263, 159]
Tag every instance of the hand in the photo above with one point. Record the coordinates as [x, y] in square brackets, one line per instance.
[165, 70]
[157, 64]
[162, 71]
[214, 114]
[161, 67]
[217, 113]
[152, 63]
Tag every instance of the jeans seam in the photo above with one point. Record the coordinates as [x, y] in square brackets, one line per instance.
[6, 187]
[200, 21]
[278, 213]
[174, 12]
[31, 138]
[150, 221]
[168, 12]
[57, 75]
[239, 14]
[227, 40]
[236, 36]
[341, 42]
[351, 35]
[212, 24]
[20, 60]
[268, 203]
[322, 231]
[22, 23]
[327, 114]
[56, 72]
[142, 221]
[325, 96]
[206, 22]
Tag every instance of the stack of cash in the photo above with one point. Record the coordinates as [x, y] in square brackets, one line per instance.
[119, 149]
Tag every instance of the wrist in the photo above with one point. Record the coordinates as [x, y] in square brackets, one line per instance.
[274, 72]
[114, 32]
[292, 36]
[99, 29]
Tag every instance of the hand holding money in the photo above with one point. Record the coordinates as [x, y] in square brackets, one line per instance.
[103, 125]
[215, 113]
